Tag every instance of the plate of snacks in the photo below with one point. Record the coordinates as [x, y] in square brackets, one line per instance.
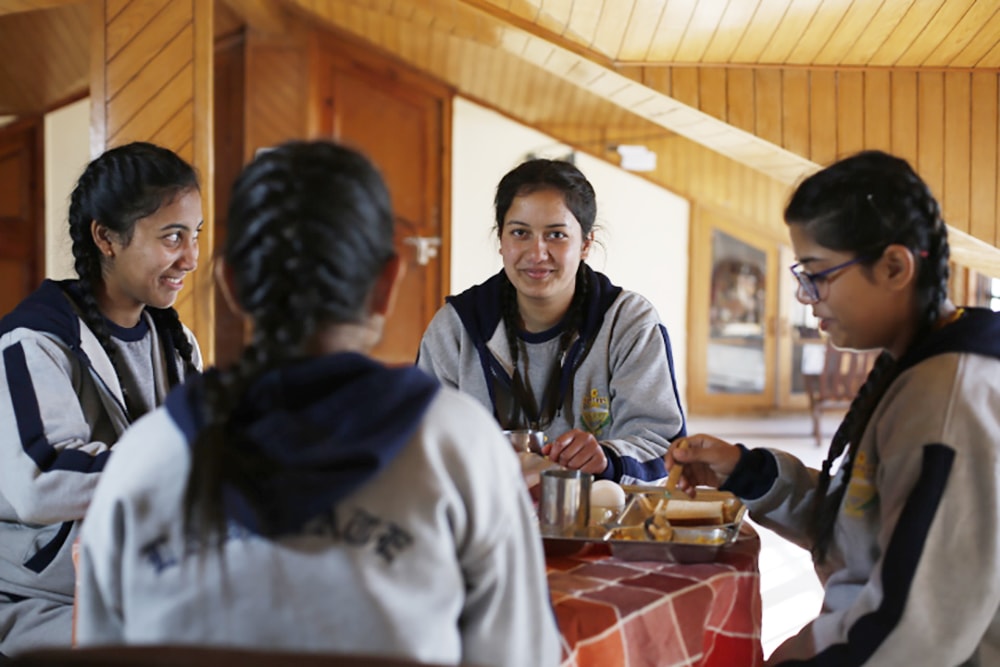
[658, 525]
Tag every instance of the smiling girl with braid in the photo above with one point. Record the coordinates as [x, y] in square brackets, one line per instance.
[904, 530]
[308, 497]
[550, 344]
[81, 360]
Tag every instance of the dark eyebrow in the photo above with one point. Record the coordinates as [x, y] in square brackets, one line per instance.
[549, 226]
[181, 226]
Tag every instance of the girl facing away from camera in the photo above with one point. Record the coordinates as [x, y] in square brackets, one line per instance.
[902, 518]
[550, 344]
[308, 497]
[81, 360]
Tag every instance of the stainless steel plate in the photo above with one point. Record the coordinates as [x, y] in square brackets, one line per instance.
[688, 544]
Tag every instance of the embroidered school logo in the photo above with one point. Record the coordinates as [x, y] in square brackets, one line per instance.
[595, 412]
[861, 493]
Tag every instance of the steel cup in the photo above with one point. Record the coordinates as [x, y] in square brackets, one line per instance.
[564, 508]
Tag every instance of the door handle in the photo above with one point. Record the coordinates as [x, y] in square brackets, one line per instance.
[427, 247]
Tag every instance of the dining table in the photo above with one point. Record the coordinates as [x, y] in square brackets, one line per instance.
[613, 612]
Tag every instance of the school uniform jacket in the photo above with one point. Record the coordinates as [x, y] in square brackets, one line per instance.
[61, 410]
[622, 389]
[396, 521]
[913, 573]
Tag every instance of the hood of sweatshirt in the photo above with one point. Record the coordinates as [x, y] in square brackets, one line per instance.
[976, 331]
[325, 426]
[47, 309]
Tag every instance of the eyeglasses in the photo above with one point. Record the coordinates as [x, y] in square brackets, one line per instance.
[809, 283]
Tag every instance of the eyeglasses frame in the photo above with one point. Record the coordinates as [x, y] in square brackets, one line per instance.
[807, 281]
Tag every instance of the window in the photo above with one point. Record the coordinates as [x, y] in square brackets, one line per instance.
[987, 292]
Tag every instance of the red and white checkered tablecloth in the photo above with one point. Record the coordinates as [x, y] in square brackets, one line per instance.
[614, 613]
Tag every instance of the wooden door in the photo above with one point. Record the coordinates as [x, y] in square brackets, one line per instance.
[733, 312]
[22, 222]
[401, 127]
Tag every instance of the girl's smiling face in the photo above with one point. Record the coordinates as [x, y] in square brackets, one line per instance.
[149, 268]
[542, 245]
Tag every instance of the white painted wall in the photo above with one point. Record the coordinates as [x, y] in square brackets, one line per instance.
[643, 228]
[67, 152]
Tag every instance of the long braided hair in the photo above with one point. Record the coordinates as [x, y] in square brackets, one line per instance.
[117, 189]
[863, 204]
[578, 195]
[310, 228]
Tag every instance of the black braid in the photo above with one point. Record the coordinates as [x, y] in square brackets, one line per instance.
[573, 324]
[87, 263]
[826, 507]
[863, 204]
[309, 230]
[167, 320]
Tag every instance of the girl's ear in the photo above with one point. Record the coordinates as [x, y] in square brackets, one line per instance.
[227, 284]
[587, 242]
[387, 286]
[899, 267]
[103, 238]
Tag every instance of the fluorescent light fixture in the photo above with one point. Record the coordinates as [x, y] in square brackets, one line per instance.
[636, 158]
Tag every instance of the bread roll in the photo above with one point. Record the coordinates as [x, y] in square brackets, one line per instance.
[695, 512]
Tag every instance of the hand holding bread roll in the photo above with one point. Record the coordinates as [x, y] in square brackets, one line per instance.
[677, 468]
[704, 461]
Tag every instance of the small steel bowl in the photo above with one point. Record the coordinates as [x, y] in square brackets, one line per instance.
[526, 440]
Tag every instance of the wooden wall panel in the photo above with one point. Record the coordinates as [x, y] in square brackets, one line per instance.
[957, 149]
[850, 121]
[903, 115]
[823, 117]
[930, 129]
[946, 124]
[151, 80]
[878, 107]
[277, 93]
[795, 111]
[983, 158]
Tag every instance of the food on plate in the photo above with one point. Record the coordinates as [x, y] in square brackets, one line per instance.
[658, 527]
[628, 533]
[695, 512]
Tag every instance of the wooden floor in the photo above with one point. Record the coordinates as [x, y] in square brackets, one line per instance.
[790, 590]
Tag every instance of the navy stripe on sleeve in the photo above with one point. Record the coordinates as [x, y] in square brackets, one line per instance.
[673, 382]
[902, 556]
[29, 422]
[44, 556]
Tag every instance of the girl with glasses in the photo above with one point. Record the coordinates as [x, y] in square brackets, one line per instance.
[902, 518]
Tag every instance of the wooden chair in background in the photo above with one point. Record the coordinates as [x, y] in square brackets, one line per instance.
[833, 388]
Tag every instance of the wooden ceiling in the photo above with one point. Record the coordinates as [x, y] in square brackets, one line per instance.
[657, 69]
[833, 33]
[564, 61]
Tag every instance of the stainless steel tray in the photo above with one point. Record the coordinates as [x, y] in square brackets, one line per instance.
[688, 544]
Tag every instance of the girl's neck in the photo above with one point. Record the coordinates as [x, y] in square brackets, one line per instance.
[539, 316]
[947, 314]
[358, 337]
[122, 311]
